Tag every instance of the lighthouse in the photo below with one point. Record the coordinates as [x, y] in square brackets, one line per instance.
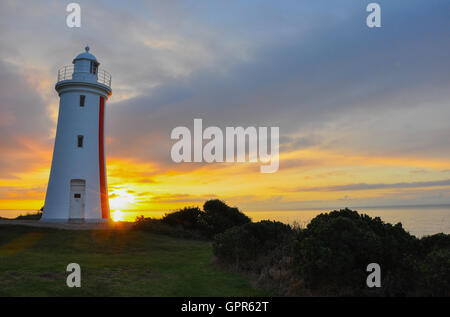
[77, 188]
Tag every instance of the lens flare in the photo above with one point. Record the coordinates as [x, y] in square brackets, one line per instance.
[118, 215]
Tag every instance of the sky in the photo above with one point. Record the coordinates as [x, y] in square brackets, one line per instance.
[363, 112]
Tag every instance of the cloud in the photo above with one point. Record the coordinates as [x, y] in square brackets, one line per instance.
[14, 193]
[24, 127]
[329, 82]
[364, 186]
[336, 87]
[181, 198]
[420, 171]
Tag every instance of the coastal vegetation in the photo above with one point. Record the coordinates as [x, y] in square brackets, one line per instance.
[117, 262]
[30, 216]
[217, 250]
[327, 258]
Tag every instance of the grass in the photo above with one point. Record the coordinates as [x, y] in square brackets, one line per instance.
[33, 262]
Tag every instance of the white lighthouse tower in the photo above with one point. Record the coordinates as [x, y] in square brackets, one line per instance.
[77, 189]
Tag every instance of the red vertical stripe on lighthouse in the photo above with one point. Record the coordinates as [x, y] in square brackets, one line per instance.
[101, 156]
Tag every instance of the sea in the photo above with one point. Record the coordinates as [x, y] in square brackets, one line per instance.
[417, 220]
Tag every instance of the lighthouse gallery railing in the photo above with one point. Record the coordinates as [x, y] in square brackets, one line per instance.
[66, 72]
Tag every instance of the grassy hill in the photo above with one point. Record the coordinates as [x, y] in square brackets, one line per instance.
[33, 262]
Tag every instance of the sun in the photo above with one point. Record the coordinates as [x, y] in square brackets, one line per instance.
[121, 198]
[117, 215]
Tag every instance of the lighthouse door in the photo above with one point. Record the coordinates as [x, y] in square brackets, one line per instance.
[77, 195]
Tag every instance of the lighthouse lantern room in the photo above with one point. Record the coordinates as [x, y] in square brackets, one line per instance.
[77, 187]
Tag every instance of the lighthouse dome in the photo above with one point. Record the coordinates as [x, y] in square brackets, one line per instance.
[85, 68]
[85, 55]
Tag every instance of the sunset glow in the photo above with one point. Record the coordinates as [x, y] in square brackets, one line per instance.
[117, 216]
[121, 199]
[358, 127]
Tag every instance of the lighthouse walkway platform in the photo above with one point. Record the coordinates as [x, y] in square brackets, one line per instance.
[68, 225]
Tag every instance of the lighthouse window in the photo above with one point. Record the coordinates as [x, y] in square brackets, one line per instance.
[82, 98]
[80, 141]
[94, 66]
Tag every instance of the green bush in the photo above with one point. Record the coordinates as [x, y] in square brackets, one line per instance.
[217, 217]
[252, 246]
[335, 249]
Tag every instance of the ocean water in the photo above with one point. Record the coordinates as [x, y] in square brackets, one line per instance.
[418, 220]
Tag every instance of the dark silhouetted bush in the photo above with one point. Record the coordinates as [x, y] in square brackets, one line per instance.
[329, 257]
[217, 217]
[435, 273]
[157, 226]
[31, 216]
[435, 242]
[253, 245]
[187, 218]
[335, 249]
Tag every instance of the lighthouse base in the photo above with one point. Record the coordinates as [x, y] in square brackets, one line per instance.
[75, 220]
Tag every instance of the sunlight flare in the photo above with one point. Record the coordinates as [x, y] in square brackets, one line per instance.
[118, 215]
[121, 198]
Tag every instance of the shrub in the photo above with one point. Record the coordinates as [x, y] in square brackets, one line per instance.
[435, 273]
[335, 249]
[435, 242]
[157, 226]
[329, 257]
[30, 216]
[218, 217]
[187, 217]
[253, 245]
